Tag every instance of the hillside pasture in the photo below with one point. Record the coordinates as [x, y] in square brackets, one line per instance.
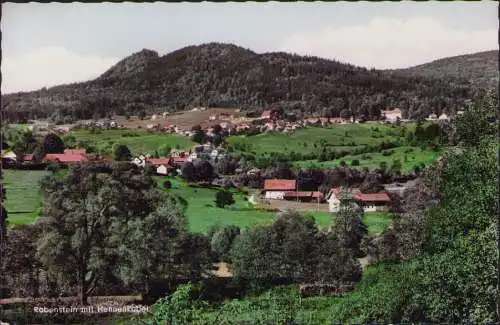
[414, 157]
[338, 137]
[184, 120]
[138, 141]
[23, 198]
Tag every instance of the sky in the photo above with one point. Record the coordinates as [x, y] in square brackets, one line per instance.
[46, 44]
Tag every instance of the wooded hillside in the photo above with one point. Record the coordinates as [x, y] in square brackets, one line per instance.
[226, 75]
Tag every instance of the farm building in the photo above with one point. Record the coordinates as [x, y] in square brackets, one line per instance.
[266, 114]
[162, 164]
[277, 188]
[368, 201]
[178, 161]
[304, 196]
[65, 158]
[392, 115]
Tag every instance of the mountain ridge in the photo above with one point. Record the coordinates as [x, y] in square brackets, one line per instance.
[227, 75]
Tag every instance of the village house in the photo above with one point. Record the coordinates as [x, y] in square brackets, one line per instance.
[178, 162]
[8, 157]
[392, 115]
[139, 161]
[65, 158]
[432, 117]
[162, 164]
[266, 114]
[443, 117]
[275, 189]
[28, 157]
[367, 201]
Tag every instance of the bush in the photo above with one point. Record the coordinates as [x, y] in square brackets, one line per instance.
[167, 184]
[355, 162]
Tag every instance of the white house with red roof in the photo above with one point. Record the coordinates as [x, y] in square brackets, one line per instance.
[276, 189]
[162, 164]
[368, 201]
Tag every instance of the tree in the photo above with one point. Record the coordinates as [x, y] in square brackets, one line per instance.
[121, 153]
[95, 222]
[204, 171]
[348, 224]
[199, 135]
[478, 121]
[52, 144]
[223, 198]
[285, 251]
[188, 171]
[222, 242]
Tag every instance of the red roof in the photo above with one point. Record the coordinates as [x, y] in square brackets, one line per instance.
[266, 114]
[64, 157]
[279, 184]
[366, 197]
[375, 197]
[304, 194]
[159, 161]
[28, 157]
[77, 151]
[179, 159]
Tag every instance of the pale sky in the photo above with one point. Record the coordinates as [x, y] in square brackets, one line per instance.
[46, 44]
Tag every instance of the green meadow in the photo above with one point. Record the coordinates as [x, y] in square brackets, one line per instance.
[23, 198]
[338, 137]
[138, 141]
[408, 156]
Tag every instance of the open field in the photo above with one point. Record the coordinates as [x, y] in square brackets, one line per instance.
[414, 157]
[202, 213]
[142, 141]
[338, 137]
[24, 200]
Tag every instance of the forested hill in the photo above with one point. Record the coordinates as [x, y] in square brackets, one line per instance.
[481, 68]
[225, 75]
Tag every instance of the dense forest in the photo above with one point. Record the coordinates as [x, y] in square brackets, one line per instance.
[226, 75]
[481, 69]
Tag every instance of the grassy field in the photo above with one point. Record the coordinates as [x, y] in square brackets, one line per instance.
[414, 156]
[143, 142]
[24, 201]
[375, 221]
[202, 213]
[339, 137]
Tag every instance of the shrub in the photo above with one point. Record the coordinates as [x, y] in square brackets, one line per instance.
[355, 162]
[167, 184]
